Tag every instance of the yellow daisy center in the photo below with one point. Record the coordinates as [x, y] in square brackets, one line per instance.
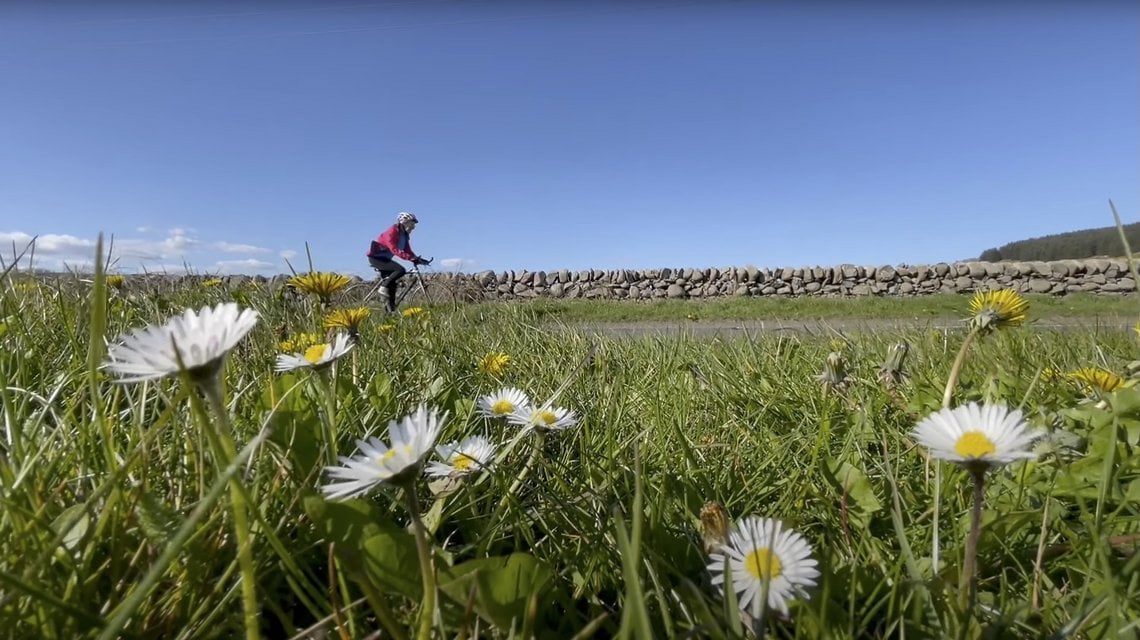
[502, 407]
[547, 417]
[463, 462]
[762, 564]
[974, 444]
[315, 353]
[388, 455]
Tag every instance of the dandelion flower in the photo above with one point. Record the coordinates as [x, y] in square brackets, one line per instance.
[299, 342]
[976, 436]
[320, 283]
[412, 440]
[471, 455]
[349, 319]
[503, 402]
[387, 326]
[997, 309]
[494, 363]
[317, 356]
[211, 283]
[412, 312]
[200, 338]
[115, 281]
[1097, 380]
[546, 417]
[759, 551]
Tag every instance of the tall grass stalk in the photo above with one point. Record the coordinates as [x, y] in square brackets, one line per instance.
[220, 433]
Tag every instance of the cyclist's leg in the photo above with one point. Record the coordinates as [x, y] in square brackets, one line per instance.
[390, 274]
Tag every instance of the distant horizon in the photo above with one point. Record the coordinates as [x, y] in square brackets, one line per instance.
[87, 268]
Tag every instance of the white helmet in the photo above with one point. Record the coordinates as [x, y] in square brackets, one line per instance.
[406, 217]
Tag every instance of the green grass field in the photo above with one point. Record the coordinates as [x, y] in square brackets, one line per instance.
[800, 308]
[123, 505]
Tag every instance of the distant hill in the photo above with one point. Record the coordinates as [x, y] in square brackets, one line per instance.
[1073, 244]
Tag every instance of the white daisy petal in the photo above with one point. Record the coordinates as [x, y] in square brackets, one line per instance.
[973, 435]
[412, 440]
[762, 550]
[502, 403]
[200, 338]
[545, 417]
[472, 455]
[317, 356]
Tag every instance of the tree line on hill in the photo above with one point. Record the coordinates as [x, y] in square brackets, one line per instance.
[1075, 245]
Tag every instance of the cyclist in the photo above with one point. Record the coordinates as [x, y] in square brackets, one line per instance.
[394, 243]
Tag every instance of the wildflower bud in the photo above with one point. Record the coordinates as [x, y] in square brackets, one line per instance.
[891, 373]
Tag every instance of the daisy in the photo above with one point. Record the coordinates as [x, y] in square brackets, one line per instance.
[759, 551]
[976, 436]
[546, 417]
[997, 309]
[412, 440]
[494, 363]
[200, 338]
[317, 356]
[469, 456]
[503, 402]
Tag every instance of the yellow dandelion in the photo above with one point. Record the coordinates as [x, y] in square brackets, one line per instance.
[412, 312]
[997, 309]
[387, 326]
[321, 284]
[350, 319]
[212, 282]
[115, 281]
[300, 342]
[1097, 380]
[494, 363]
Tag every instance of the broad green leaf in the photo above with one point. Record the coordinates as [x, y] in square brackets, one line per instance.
[503, 586]
[366, 540]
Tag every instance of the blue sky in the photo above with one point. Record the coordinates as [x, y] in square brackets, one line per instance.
[548, 135]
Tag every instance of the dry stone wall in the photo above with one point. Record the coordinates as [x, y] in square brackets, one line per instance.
[1094, 275]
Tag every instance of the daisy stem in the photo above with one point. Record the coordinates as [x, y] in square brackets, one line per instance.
[427, 571]
[966, 584]
[956, 369]
[222, 437]
[326, 381]
[951, 382]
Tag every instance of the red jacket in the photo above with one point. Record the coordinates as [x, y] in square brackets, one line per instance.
[394, 241]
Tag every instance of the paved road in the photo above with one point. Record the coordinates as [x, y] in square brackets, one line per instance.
[827, 326]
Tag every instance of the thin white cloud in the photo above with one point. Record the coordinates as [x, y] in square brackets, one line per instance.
[249, 265]
[456, 263]
[288, 254]
[236, 247]
[47, 244]
[180, 251]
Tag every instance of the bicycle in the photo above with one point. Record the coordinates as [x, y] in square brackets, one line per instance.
[405, 286]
